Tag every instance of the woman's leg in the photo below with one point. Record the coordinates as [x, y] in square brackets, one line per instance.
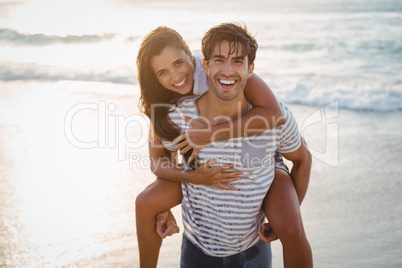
[158, 197]
[281, 206]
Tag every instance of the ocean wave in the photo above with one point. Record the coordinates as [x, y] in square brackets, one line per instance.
[351, 95]
[383, 99]
[12, 37]
[31, 71]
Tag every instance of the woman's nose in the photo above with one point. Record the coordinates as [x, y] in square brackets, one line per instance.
[176, 76]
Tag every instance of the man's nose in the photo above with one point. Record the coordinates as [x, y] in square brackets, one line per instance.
[227, 69]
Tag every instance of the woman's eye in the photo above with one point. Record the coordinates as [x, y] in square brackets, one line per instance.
[179, 62]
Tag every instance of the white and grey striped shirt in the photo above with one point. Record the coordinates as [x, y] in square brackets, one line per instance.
[225, 222]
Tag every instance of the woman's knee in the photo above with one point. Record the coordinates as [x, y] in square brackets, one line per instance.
[292, 231]
[145, 200]
[159, 196]
[142, 202]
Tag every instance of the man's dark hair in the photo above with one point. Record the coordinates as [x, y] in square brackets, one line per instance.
[236, 35]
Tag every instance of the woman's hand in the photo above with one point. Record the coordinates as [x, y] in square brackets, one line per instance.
[166, 224]
[215, 176]
[266, 233]
[195, 138]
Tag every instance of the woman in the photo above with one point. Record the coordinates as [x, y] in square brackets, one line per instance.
[166, 71]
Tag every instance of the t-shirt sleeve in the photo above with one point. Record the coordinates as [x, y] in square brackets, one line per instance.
[290, 136]
[201, 84]
[185, 107]
[176, 116]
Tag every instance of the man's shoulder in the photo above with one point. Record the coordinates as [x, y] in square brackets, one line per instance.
[291, 124]
[185, 106]
[283, 105]
[189, 99]
[287, 113]
[184, 102]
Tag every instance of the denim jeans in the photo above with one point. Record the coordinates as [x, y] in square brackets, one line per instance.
[258, 256]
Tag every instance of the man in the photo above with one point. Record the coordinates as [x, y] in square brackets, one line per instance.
[221, 227]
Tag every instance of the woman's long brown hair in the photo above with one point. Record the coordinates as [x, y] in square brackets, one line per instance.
[156, 101]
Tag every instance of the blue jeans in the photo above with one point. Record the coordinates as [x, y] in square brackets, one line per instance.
[258, 256]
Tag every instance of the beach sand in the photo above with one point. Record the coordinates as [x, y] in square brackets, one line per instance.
[65, 205]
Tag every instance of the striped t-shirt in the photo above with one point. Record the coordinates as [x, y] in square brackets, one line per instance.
[225, 222]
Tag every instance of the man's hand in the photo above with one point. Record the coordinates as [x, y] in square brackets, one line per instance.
[166, 224]
[266, 233]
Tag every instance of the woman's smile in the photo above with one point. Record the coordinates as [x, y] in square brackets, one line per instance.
[181, 84]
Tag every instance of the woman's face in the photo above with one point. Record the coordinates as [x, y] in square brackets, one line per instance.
[174, 69]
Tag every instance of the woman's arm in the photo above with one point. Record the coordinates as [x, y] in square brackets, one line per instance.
[163, 165]
[265, 114]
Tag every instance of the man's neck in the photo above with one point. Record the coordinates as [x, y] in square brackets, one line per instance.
[217, 111]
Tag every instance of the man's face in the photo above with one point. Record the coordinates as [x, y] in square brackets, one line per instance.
[227, 74]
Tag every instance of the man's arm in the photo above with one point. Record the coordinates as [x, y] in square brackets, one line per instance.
[300, 172]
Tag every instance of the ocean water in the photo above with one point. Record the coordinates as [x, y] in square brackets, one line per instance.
[73, 148]
[311, 52]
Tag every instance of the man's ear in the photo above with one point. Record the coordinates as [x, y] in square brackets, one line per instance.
[250, 70]
[205, 65]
